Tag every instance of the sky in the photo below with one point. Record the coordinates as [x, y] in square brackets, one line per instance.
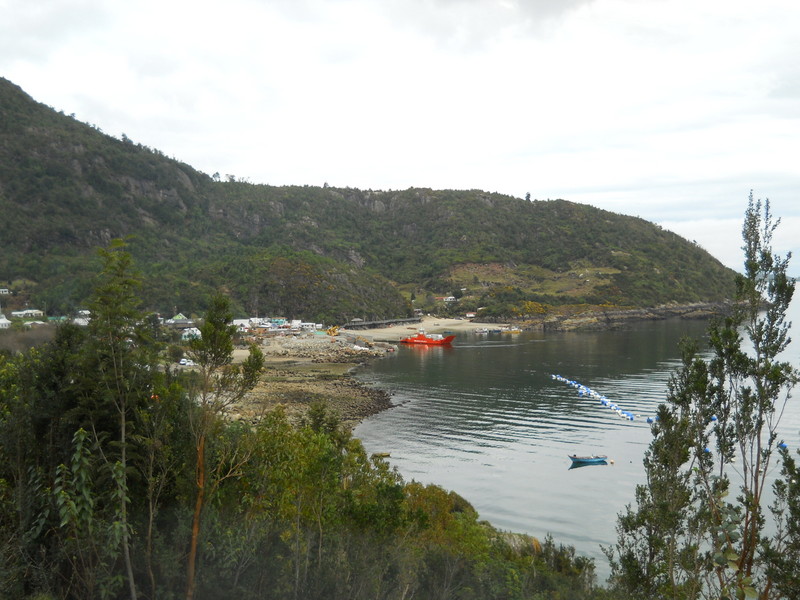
[669, 110]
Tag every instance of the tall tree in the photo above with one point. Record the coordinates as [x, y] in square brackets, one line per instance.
[163, 444]
[221, 383]
[717, 432]
[119, 360]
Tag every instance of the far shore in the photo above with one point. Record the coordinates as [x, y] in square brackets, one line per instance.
[428, 324]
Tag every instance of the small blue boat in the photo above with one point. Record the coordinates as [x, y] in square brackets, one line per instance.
[588, 460]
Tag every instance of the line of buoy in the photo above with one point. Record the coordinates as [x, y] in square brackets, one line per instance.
[587, 391]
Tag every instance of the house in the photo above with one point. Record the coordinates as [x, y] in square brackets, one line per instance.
[5, 292]
[179, 322]
[4, 323]
[82, 318]
[243, 325]
[190, 333]
[28, 313]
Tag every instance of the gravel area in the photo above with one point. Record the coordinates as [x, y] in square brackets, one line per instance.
[306, 369]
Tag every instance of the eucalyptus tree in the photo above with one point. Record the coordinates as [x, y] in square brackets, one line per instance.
[220, 384]
[120, 359]
[700, 528]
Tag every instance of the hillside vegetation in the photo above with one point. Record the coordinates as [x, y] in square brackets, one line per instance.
[313, 252]
[122, 477]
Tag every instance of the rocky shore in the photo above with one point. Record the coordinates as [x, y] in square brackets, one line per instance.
[303, 370]
[600, 319]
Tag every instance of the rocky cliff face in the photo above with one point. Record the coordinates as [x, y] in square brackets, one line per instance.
[618, 319]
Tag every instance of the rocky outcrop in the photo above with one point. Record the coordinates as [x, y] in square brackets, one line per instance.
[326, 349]
[300, 372]
[602, 320]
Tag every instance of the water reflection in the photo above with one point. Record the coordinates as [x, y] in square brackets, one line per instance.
[486, 418]
[581, 465]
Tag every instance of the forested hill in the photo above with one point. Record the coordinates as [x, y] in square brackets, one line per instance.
[325, 253]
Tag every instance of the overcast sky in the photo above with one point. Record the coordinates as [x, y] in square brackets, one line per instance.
[671, 110]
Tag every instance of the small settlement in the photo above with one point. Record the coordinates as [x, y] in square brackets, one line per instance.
[252, 329]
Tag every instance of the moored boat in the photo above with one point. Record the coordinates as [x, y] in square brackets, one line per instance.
[595, 459]
[433, 339]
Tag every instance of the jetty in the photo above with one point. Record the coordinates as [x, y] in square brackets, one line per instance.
[361, 324]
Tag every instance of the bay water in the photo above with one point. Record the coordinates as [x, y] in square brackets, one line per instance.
[487, 419]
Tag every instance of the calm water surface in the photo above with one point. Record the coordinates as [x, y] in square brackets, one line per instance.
[485, 418]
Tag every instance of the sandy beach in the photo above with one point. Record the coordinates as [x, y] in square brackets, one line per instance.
[429, 324]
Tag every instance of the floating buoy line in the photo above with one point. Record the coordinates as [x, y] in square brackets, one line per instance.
[588, 392]
[625, 414]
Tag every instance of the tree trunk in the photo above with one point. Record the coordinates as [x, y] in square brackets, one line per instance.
[198, 508]
[126, 548]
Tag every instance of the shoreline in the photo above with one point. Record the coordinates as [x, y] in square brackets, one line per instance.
[314, 367]
[301, 370]
[393, 333]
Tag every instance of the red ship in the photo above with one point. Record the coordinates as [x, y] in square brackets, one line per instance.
[433, 339]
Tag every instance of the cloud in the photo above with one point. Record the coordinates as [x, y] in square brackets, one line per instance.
[722, 238]
[32, 31]
[473, 25]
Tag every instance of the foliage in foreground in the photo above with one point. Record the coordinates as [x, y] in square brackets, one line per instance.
[704, 525]
[122, 479]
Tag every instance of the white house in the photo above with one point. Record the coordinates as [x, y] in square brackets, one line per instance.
[242, 325]
[28, 313]
[82, 318]
[190, 333]
[4, 323]
[5, 292]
